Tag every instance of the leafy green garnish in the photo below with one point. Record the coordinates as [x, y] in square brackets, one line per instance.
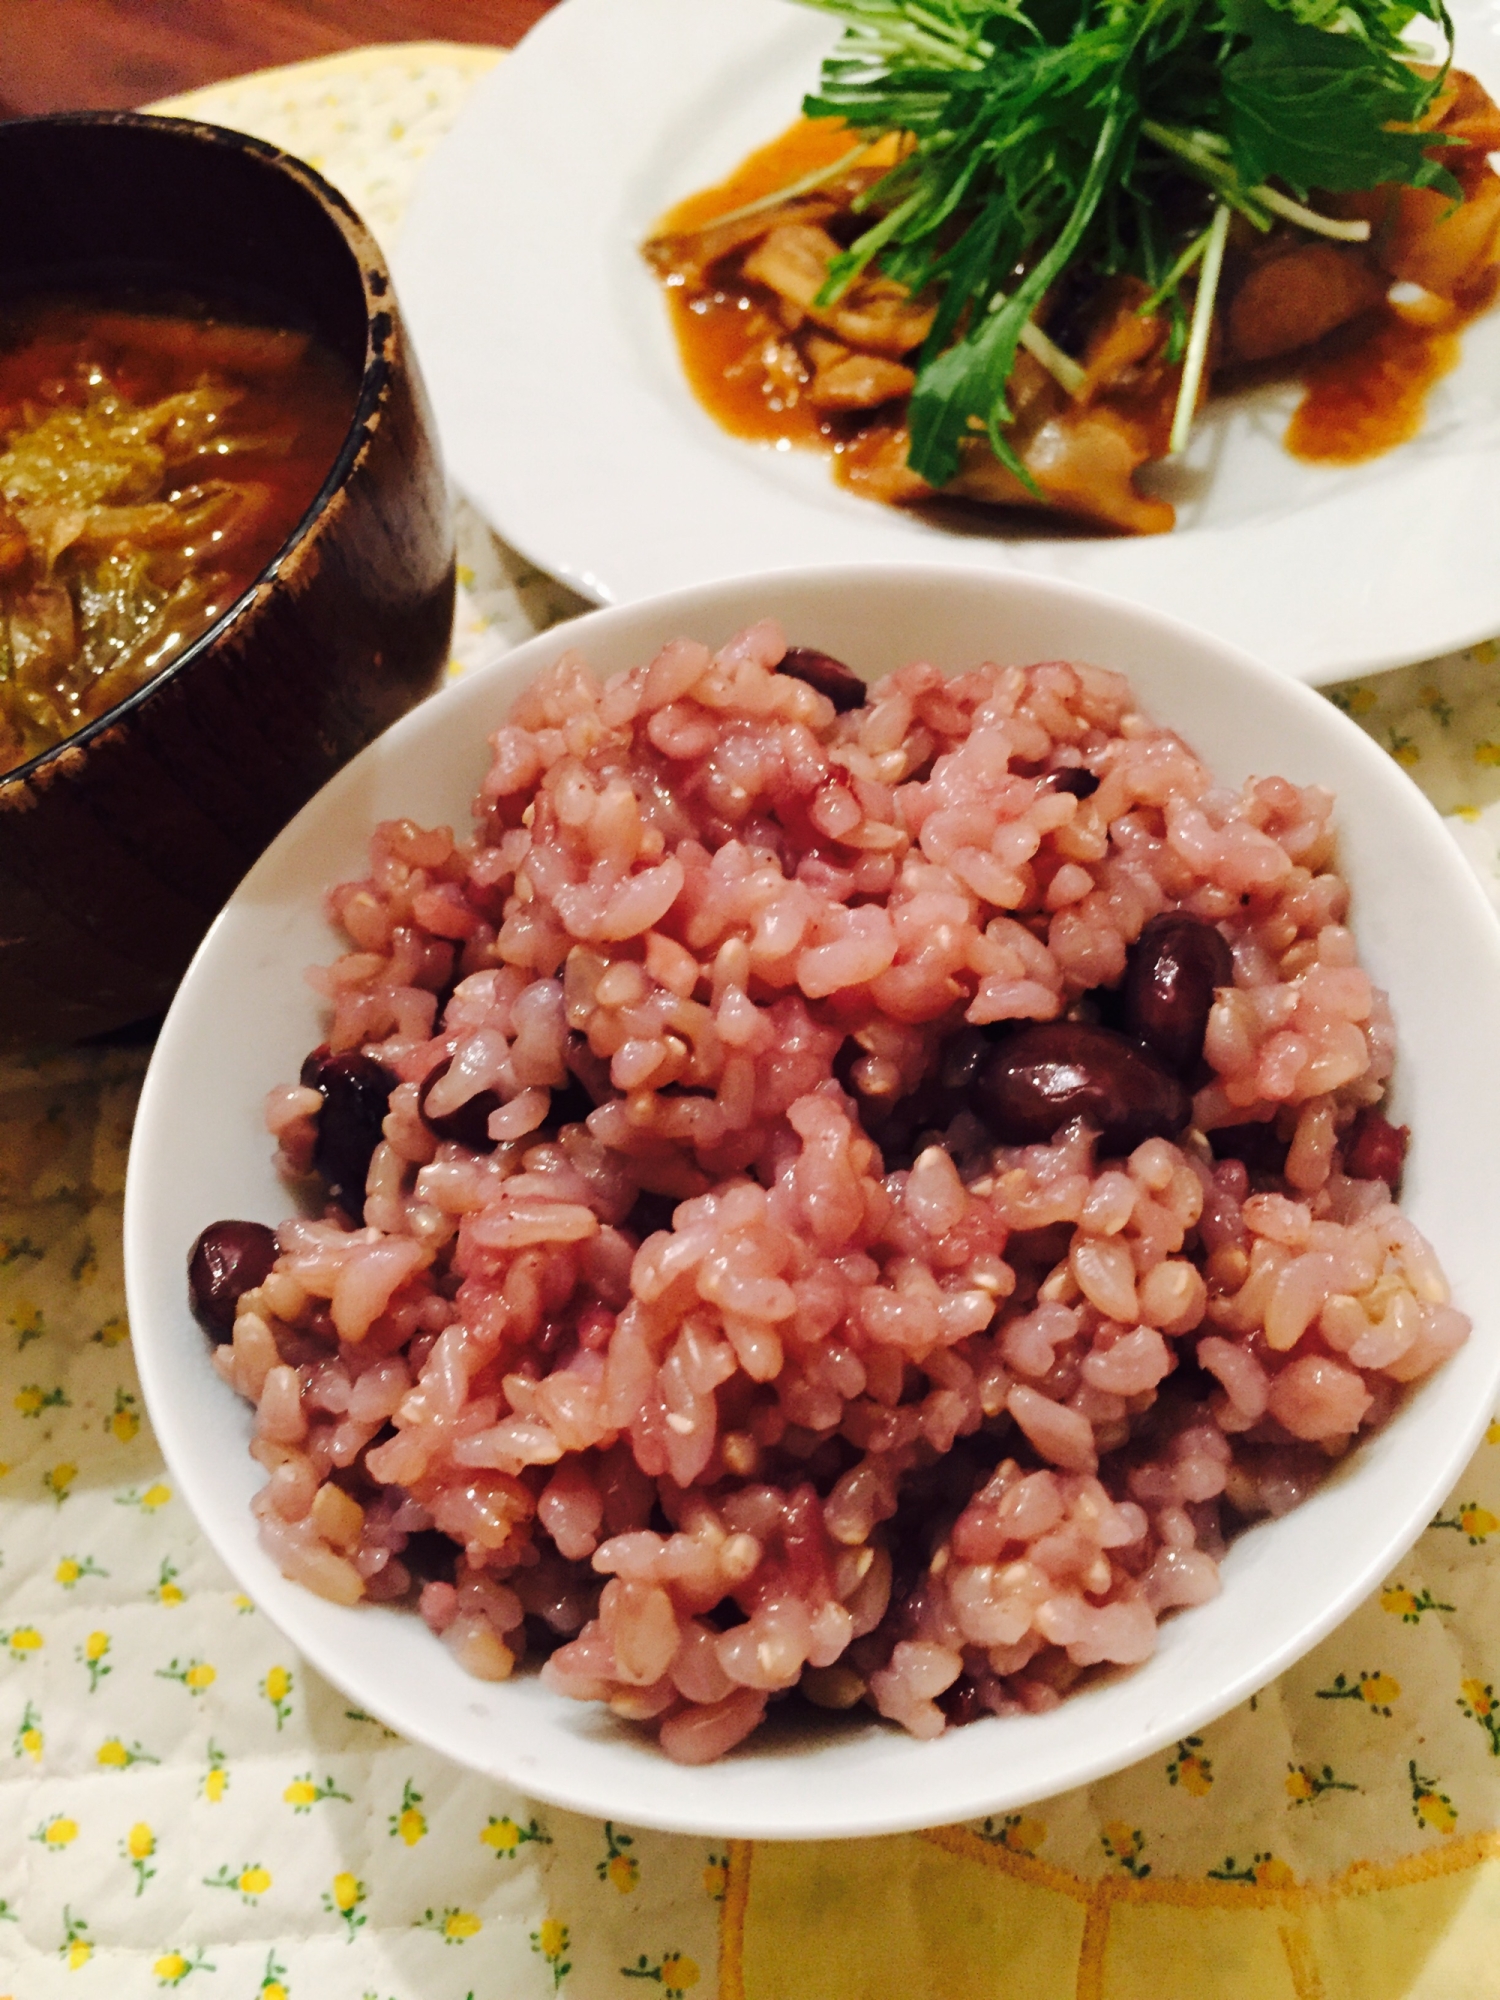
[1317, 109]
[1051, 137]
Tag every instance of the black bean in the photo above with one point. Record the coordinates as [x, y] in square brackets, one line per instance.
[841, 684]
[962, 1702]
[356, 1092]
[896, 1124]
[963, 1056]
[571, 1103]
[469, 1125]
[1255, 1146]
[1070, 778]
[1375, 1149]
[725, 1615]
[430, 1555]
[1171, 975]
[650, 1213]
[1044, 1076]
[228, 1260]
[587, 1072]
[541, 1640]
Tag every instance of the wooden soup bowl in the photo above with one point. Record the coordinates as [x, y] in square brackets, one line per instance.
[119, 846]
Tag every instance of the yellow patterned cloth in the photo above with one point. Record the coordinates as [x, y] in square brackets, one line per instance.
[185, 1805]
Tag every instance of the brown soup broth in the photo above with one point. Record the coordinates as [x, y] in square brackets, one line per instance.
[152, 464]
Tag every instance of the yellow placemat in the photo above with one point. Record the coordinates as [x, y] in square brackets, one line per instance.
[184, 1804]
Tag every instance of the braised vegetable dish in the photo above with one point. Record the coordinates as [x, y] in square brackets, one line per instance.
[1010, 252]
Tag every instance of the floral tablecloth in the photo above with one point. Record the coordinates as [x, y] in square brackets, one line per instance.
[184, 1804]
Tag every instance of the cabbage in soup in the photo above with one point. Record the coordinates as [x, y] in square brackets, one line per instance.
[151, 465]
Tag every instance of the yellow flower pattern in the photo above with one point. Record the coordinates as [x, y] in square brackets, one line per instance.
[72, 1568]
[550, 1942]
[58, 1478]
[167, 1590]
[250, 1881]
[277, 1689]
[1477, 1700]
[1409, 1605]
[137, 1848]
[124, 1421]
[1124, 1844]
[1304, 1783]
[173, 1967]
[33, 1399]
[408, 1823]
[1190, 1769]
[1017, 1833]
[1474, 1522]
[344, 1899]
[197, 1676]
[1376, 1690]
[453, 1925]
[1429, 1806]
[92, 1656]
[1262, 1871]
[674, 1972]
[619, 1867]
[114, 1755]
[302, 1794]
[76, 1950]
[215, 1780]
[506, 1836]
[29, 1741]
[27, 1322]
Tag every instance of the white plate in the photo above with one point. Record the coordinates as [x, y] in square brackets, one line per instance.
[566, 418]
[243, 1019]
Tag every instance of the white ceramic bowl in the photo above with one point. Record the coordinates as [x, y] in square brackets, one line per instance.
[244, 1019]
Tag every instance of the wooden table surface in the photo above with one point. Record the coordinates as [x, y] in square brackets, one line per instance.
[73, 55]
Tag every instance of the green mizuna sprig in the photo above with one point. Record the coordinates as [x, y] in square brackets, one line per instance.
[1046, 136]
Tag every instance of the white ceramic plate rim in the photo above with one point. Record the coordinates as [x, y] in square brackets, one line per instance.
[198, 1153]
[566, 419]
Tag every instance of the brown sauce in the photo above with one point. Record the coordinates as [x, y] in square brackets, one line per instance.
[151, 465]
[804, 148]
[730, 338]
[1368, 394]
[724, 338]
